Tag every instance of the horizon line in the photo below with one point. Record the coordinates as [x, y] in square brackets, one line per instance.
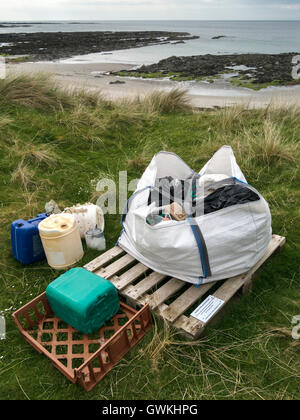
[148, 20]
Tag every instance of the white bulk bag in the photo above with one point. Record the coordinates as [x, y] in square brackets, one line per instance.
[201, 249]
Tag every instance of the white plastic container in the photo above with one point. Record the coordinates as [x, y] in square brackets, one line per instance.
[87, 216]
[95, 239]
[61, 240]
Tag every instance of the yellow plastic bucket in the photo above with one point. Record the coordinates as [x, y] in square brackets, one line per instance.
[61, 240]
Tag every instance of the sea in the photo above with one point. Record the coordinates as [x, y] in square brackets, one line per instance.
[267, 37]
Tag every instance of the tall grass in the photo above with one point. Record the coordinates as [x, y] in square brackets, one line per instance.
[287, 113]
[162, 102]
[23, 175]
[37, 91]
[269, 145]
[258, 137]
[29, 152]
[92, 99]
[123, 117]
[81, 117]
[40, 92]
[231, 117]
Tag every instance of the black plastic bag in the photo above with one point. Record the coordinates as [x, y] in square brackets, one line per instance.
[227, 196]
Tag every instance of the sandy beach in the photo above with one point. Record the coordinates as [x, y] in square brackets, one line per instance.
[202, 94]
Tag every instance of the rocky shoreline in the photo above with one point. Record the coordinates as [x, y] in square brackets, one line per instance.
[52, 46]
[243, 69]
[254, 71]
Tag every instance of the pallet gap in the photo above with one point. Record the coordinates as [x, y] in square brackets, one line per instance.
[142, 277]
[177, 294]
[112, 260]
[127, 268]
[158, 286]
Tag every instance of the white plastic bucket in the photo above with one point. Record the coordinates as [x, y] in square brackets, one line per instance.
[61, 240]
[95, 239]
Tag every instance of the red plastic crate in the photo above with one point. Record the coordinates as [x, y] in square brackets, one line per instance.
[83, 359]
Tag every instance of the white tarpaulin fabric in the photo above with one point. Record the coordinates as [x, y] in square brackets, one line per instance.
[204, 247]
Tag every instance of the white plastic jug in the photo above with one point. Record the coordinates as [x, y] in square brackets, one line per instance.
[61, 240]
[87, 216]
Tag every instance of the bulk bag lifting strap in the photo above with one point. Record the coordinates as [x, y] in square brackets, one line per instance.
[202, 248]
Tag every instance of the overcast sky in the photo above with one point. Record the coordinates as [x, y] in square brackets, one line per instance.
[148, 9]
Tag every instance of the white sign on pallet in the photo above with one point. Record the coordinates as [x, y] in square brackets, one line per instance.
[207, 309]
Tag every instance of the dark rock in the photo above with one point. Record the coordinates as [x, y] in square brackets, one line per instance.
[58, 45]
[265, 68]
[117, 82]
[219, 37]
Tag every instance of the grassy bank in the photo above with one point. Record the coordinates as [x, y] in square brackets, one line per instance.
[56, 145]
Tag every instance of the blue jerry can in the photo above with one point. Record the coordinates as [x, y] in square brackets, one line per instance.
[25, 240]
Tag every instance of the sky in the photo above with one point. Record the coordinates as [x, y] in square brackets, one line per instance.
[149, 9]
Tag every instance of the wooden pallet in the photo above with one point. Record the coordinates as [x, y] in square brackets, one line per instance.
[170, 298]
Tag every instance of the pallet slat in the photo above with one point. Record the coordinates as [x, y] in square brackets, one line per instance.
[190, 327]
[165, 292]
[130, 276]
[144, 286]
[230, 287]
[103, 259]
[115, 267]
[185, 301]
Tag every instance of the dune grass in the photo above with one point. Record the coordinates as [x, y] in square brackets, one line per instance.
[33, 91]
[58, 148]
[270, 145]
[175, 100]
